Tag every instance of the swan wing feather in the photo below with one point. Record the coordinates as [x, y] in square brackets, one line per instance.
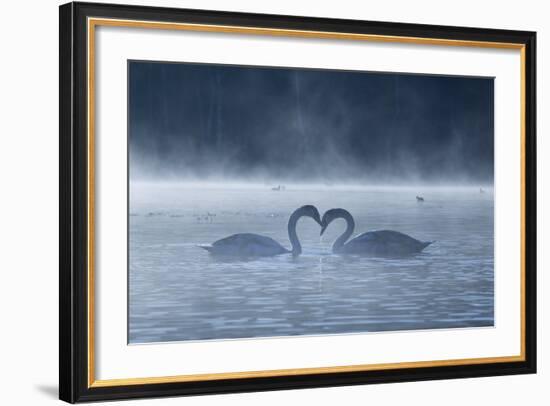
[384, 243]
[247, 244]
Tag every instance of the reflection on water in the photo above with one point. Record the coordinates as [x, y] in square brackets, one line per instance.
[179, 292]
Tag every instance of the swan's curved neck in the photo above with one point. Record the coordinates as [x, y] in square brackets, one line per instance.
[340, 241]
[292, 236]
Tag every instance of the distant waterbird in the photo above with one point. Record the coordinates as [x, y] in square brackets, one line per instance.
[419, 199]
[255, 245]
[383, 243]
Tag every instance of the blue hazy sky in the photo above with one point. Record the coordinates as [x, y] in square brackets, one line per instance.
[203, 121]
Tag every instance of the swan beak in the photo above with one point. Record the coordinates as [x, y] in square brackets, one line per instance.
[323, 228]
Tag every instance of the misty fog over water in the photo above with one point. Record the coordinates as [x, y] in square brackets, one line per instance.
[211, 122]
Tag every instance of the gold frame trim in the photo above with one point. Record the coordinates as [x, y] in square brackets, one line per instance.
[94, 22]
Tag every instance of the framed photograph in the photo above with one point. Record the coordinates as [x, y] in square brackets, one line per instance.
[257, 202]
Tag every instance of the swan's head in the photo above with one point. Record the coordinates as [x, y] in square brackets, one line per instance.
[331, 215]
[311, 211]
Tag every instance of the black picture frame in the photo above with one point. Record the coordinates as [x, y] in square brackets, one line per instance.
[74, 199]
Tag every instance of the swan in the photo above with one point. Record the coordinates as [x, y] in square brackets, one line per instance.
[254, 245]
[383, 243]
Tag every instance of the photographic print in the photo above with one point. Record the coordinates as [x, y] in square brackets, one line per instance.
[283, 201]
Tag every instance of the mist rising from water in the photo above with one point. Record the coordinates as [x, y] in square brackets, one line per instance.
[215, 123]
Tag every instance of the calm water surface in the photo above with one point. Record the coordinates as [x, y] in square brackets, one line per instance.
[179, 292]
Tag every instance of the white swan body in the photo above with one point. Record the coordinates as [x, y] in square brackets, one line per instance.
[255, 245]
[382, 243]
